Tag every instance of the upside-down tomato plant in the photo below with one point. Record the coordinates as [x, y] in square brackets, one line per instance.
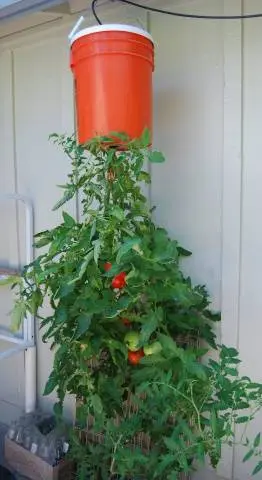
[122, 313]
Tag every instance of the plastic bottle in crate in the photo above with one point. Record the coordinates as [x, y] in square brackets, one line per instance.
[27, 437]
[35, 440]
[12, 430]
[44, 451]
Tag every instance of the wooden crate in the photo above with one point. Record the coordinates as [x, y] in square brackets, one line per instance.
[28, 465]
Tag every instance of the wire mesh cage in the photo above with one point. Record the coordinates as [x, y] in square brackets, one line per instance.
[141, 440]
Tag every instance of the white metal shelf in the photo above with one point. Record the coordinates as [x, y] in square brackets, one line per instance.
[26, 337]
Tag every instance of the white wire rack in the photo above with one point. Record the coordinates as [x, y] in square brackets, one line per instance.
[25, 338]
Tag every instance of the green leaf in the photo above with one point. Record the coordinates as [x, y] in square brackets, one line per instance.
[84, 265]
[123, 302]
[257, 440]
[105, 139]
[50, 384]
[249, 455]
[115, 346]
[132, 274]
[151, 360]
[164, 462]
[121, 135]
[243, 405]
[235, 361]
[184, 295]
[242, 419]
[257, 468]
[214, 421]
[169, 345]
[172, 443]
[129, 232]
[43, 233]
[173, 476]
[60, 355]
[69, 221]
[200, 453]
[196, 369]
[146, 138]
[43, 241]
[36, 301]
[97, 403]
[231, 371]
[67, 196]
[93, 230]
[61, 314]
[254, 386]
[127, 246]
[148, 328]
[232, 352]
[18, 315]
[156, 157]
[144, 177]
[118, 213]
[65, 290]
[228, 352]
[58, 410]
[53, 136]
[97, 249]
[183, 252]
[83, 324]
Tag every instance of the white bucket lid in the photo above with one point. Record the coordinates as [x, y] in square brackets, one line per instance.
[110, 28]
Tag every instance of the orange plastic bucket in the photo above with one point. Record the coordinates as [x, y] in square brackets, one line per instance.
[112, 67]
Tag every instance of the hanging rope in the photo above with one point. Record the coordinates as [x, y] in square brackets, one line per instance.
[177, 14]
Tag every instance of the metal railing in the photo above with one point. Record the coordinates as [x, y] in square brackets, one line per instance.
[25, 338]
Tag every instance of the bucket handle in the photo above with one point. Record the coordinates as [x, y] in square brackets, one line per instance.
[76, 27]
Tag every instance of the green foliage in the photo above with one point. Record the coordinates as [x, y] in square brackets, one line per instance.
[188, 409]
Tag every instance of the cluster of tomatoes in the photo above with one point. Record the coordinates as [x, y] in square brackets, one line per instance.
[135, 353]
[119, 282]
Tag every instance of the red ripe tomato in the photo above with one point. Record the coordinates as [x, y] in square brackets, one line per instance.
[107, 266]
[135, 357]
[126, 322]
[119, 281]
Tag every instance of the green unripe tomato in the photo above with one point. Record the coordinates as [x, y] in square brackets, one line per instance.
[132, 341]
[153, 348]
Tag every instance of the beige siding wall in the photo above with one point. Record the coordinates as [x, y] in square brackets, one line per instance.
[208, 114]
[189, 111]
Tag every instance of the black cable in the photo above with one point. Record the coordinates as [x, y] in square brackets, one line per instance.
[93, 6]
[189, 15]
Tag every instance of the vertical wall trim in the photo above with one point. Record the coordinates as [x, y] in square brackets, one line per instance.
[232, 186]
[78, 199]
[241, 204]
[15, 166]
[232, 173]
[149, 166]
[242, 166]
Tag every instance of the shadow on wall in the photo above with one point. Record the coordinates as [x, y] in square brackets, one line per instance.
[187, 188]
